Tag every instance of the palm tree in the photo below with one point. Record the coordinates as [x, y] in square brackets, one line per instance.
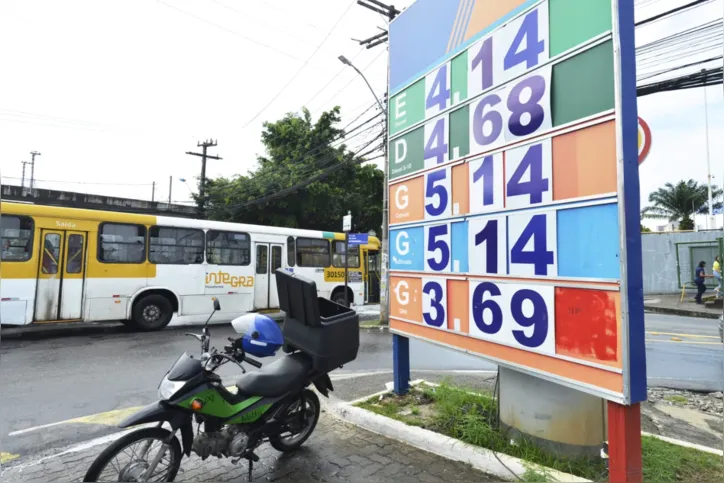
[680, 202]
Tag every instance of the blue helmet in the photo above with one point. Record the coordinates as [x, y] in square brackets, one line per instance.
[261, 336]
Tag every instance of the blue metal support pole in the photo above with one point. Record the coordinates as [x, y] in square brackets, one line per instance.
[401, 363]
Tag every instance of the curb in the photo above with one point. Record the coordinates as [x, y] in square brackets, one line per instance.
[502, 466]
[682, 312]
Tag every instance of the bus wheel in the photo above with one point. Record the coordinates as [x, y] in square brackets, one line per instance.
[338, 297]
[152, 312]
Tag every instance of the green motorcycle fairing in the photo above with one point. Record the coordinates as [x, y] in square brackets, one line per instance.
[246, 410]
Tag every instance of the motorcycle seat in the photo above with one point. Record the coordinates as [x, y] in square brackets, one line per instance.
[281, 376]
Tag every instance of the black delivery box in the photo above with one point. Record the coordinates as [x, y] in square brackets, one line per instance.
[326, 331]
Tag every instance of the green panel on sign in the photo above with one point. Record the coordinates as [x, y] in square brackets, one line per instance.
[572, 22]
[407, 107]
[460, 132]
[583, 85]
[459, 78]
[406, 153]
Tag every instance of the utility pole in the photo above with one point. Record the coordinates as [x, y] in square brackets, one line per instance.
[153, 192]
[710, 220]
[32, 168]
[390, 12]
[204, 156]
[170, 185]
[22, 183]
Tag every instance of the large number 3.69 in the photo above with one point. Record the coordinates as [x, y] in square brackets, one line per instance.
[491, 310]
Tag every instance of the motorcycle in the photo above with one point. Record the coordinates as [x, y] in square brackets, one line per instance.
[274, 404]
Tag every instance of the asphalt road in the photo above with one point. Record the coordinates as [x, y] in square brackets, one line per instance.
[49, 380]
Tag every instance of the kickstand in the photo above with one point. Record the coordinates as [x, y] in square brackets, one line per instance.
[251, 469]
[251, 457]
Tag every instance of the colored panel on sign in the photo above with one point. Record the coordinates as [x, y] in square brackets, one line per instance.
[574, 22]
[459, 81]
[460, 247]
[408, 107]
[406, 154]
[588, 325]
[592, 376]
[406, 298]
[588, 242]
[406, 249]
[457, 305]
[460, 195]
[584, 162]
[417, 42]
[406, 203]
[583, 85]
[460, 132]
[490, 13]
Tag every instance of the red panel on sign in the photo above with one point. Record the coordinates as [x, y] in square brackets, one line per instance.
[587, 325]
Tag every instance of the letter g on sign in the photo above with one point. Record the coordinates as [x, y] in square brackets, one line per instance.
[402, 292]
[403, 246]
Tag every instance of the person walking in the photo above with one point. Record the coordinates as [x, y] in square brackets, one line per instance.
[699, 279]
[716, 270]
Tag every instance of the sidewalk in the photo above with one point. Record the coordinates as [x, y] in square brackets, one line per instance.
[672, 304]
[336, 452]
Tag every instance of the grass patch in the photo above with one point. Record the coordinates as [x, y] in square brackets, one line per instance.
[370, 324]
[677, 399]
[473, 418]
[665, 462]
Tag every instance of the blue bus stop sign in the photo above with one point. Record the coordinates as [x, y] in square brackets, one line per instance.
[358, 238]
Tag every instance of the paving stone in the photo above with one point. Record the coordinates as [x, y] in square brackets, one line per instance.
[336, 452]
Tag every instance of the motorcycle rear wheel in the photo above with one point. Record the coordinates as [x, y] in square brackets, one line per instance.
[134, 469]
[294, 442]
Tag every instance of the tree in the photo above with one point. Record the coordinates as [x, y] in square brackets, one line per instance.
[645, 229]
[680, 202]
[279, 192]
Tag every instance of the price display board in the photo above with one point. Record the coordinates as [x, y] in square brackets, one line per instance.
[513, 187]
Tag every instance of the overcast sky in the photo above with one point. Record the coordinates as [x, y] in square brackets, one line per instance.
[116, 92]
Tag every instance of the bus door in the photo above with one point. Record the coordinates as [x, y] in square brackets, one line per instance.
[61, 276]
[268, 260]
[373, 277]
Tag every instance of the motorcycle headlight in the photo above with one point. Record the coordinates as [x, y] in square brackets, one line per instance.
[168, 388]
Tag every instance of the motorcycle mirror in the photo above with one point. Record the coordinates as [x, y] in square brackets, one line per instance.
[217, 305]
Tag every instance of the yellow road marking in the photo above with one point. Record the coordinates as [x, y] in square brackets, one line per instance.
[692, 336]
[110, 418]
[5, 457]
[684, 341]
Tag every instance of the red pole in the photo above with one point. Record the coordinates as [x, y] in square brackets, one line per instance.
[624, 443]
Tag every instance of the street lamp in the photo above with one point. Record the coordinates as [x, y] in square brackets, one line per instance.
[383, 278]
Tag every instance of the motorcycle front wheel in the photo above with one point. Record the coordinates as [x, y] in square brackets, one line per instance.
[129, 458]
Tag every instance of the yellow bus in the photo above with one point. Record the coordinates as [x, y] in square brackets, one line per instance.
[72, 265]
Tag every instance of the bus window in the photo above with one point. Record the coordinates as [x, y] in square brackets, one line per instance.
[16, 234]
[176, 246]
[51, 253]
[290, 251]
[312, 252]
[228, 248]
[74, 263]
[122, 243]
[338, 255]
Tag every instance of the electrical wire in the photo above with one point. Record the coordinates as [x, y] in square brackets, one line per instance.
[233, 32]
[301, 68]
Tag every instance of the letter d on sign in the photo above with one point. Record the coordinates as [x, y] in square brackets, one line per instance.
[401, 198]
[403, 246]
[400, 150]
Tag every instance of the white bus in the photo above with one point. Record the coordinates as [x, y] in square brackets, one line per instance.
[72, 265]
